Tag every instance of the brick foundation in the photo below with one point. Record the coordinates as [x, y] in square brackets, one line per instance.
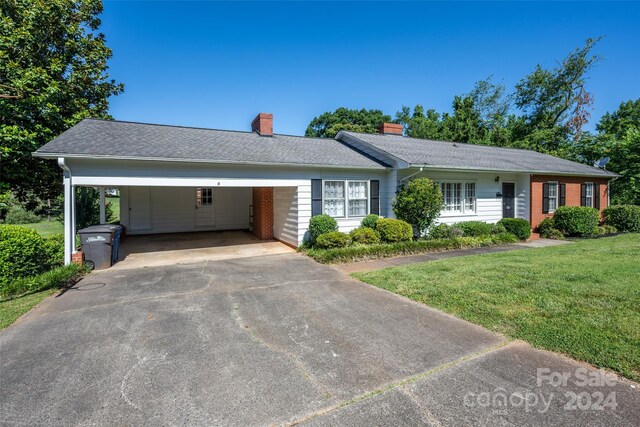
[263, 212]
[572, 196]
[77, 258]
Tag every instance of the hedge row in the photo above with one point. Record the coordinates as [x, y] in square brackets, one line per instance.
[357, 253]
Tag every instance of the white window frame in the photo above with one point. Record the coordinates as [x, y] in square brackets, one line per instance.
[592, 187]
[556, 197]
[201, 199]
[346, 197]
[464, 211]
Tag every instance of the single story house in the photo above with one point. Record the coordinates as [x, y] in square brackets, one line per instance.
[178, 179]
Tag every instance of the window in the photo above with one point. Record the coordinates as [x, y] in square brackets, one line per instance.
[204, 196]
[334, 198]
[553, 196]
[345, 198]
[358, 198]
[458, 197]
[588, 194]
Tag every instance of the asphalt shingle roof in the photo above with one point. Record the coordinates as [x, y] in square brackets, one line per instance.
[104, 138]
[423, 152]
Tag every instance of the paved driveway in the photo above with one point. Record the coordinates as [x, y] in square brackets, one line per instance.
[271, 340]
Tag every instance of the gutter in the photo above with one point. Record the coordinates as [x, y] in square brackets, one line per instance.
[536, 172]
[222, 162]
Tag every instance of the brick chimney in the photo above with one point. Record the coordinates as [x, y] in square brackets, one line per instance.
[263, 124]
[390, 129]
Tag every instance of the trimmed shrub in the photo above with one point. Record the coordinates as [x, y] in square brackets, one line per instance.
[456, 232]
[554, 234]
[419, 203]
[356, 253]
[623, 217]
[321, 224]
[517, 226]
[577, 220]
[546, 226]
[333, 239]
[394, 230]
[365, 236]
[474, 228]
[370, 221]
[609, 229]
[23, 253]
[17, 215]
[54, 248]
[498, 229]
[440, 231]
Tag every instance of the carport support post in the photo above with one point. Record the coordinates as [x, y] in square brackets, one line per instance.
[69, 218]
[103, 209]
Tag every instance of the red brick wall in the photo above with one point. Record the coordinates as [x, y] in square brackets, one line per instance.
[572, 197]
[263, 124]
[263, 212]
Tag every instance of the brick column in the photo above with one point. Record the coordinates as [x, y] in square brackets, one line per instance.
[263, 212]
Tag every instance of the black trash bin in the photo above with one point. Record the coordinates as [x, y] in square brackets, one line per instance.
[116, 244]
[97, 244]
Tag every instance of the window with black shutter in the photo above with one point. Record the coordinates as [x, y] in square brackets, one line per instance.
[316, 197]
[596, 196]
[562, 191]
[545, 197]
[583, 195]
[375, 197]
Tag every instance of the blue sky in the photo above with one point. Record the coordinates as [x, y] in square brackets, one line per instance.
[217, 64]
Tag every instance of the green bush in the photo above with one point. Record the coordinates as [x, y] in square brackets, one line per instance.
[576, 220]
[474, 228]
[365, 236]
[23, 253]
[554, 234]
[333, 239]
[609, 229]
[419, 203]
[394, 230]
[625, 218]
[56, 278]
[321, 224]
[546, 226]
[517, 226]
[456, 232]
[370, 221]
[17, 215]
[383, 250]
[54, 248]
[498, 229]
[440, 231]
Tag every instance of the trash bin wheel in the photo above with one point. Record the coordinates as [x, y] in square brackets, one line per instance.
[90, 264]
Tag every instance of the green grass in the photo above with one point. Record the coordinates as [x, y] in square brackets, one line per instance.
[581, 299]
[12, 309]
[46, 228]
[115, 207]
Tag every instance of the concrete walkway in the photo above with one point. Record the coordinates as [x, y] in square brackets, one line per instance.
[377, 264]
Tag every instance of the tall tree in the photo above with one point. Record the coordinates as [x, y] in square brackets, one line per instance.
[53, 73]
[490, 102]
[555, 102]
[328, 124]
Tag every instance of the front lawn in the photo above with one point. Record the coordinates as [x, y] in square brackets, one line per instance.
[581, 299]
[12, 309]
[46, 228]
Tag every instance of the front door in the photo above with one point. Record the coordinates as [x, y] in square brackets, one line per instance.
[204, 207]
[508, 200]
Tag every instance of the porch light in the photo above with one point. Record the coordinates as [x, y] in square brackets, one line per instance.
[497, 179]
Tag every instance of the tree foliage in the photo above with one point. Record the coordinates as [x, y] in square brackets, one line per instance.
[53, 73]
[328, 124]
[419, 203]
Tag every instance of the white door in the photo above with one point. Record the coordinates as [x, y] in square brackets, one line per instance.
[204, 207]
[139, 209]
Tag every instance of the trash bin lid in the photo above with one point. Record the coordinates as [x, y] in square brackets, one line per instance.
[102, 228]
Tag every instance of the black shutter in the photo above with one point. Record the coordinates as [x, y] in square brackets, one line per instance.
[596, 196]
[583, 194]
[562, 191]
[375, 197]
[316, 197]
[545, 197]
